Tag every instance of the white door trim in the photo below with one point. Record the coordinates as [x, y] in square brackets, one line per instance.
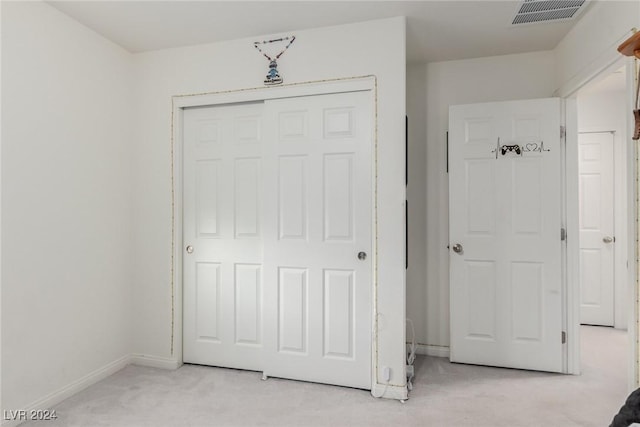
[631, 179]
[572, 251]
[324, 87]
[608, 61]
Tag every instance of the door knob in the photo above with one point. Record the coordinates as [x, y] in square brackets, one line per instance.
[189, 249]
[457, 248]
[362, 256]
[607, 239]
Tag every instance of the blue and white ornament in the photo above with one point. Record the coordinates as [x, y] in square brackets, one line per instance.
[273, 77]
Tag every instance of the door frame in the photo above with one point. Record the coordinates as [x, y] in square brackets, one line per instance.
[606, 63]
[324, 87]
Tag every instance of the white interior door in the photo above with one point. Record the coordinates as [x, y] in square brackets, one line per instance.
[320, 218]
[277, 207]
[595, 151]
[505, 190]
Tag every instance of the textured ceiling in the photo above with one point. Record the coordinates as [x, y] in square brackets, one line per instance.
[437, 30]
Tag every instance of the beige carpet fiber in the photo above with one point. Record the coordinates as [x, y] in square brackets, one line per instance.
[444, 394]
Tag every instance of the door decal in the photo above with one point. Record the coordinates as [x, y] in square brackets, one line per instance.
[528, 147]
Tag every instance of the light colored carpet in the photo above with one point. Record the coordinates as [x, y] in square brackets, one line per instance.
[444, 394]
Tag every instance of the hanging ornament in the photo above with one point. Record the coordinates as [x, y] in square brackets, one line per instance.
[273, 77]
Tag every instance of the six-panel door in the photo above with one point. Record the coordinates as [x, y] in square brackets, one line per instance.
[321, 218]
[223, 222]
[505, 202]
[595, 157]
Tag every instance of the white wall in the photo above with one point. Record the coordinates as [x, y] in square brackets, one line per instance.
[66, 198]
[607, 111]
[376, 47]
[499, 78]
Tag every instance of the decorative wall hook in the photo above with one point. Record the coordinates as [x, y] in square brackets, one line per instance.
[631, 46]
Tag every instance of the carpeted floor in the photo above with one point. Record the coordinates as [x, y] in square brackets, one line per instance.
[444, 394]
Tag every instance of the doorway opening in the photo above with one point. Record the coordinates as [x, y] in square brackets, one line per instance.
[604, 200]
[602, 137]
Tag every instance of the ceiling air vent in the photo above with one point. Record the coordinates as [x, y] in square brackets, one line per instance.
[533, 11]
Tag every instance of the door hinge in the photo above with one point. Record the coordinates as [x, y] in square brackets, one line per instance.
[563, 132]
[563, 234]
[564, 337]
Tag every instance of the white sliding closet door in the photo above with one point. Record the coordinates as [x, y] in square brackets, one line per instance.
[223, 275]
[319, 220]
[278, 214]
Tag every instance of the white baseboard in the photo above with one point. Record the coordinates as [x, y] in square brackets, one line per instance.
[433, 350]
[155, 361]
[52, 399]
[390, 392]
